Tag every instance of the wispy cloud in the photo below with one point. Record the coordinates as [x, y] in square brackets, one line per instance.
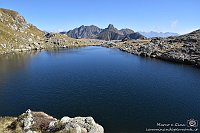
[174, 24]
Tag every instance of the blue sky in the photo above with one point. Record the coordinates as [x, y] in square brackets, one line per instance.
[179, 16]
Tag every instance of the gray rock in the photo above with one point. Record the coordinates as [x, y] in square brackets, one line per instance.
[79, 124]
[30, 39]
[36, 122]
[28, 120]
[72, 128]
[65, 119]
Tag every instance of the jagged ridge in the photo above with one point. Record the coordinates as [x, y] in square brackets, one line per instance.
[109, 33]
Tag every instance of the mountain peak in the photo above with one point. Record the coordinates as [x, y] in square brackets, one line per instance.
[82, 26]
[84, 32]
[109, 33]
[111, 26]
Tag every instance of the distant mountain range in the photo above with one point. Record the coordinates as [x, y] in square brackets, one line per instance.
[112, 33]
[109, 33]
[158, 34]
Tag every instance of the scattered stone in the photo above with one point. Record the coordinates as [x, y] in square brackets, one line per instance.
[30, 39]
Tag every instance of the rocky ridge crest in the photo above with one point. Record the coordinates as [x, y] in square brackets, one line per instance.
[109, 33]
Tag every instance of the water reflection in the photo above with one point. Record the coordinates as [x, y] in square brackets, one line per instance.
[54, 52]
[14, 62]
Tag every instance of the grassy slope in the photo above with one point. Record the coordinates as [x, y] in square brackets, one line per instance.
[12, 38]
[17, 35]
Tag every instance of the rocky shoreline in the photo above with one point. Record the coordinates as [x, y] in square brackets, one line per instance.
[183, 49]
[40, 122]
[52, 41]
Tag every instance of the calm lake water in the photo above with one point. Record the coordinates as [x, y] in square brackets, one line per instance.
[123, 92]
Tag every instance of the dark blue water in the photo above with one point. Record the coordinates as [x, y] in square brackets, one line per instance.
[123, 92]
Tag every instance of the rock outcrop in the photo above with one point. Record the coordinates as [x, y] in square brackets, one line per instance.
[182, 49]
[40, 122]
[109, 33]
